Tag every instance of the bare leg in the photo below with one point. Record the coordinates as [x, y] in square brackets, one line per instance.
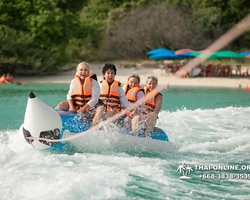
[151, 121]
[135, 124]
[111, 113]
[127, 121]
[63, 105]
[98, 115]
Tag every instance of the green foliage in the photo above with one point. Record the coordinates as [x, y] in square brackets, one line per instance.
[222, 13]
[72, 5]
[12, 44]
[47, 28]
[17, 47]
[94, 17]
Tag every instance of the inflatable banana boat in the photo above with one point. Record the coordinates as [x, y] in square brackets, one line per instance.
[43, 122]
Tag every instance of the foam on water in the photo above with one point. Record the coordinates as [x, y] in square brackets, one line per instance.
[220, 130]
[112, 138]
[202, 137]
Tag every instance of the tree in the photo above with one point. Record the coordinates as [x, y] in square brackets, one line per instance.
[155, 26]
[47, 26]
[224, 14]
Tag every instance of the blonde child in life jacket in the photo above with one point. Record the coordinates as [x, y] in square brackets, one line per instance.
[133, 93]
[83, 94]
[153, 104]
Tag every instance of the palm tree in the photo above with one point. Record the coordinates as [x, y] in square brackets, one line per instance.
[188, 170]
[181, 168]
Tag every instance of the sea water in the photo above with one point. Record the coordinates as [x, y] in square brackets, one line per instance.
[209, 127]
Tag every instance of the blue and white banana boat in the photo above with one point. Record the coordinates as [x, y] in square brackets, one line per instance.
[41, 121]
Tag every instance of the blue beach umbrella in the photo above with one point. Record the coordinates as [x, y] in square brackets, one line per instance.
[164, 57]
[160, 50]
[245, 53]
[186, 55]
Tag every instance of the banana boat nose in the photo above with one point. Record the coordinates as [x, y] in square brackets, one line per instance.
[40, 121]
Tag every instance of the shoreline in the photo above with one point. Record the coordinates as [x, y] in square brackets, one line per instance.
[123, 73]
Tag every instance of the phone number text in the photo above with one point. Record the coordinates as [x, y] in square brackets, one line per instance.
[224, 176]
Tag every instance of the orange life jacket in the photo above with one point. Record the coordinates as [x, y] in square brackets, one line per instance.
[2, 79]
[132, 93]
[93, 75]
[125, 88]
[109, 95]
[82, 93]
[247, 88]
[150, 100]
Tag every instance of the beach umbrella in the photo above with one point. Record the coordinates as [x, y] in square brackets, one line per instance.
[245, 53]
[160, 50]
[164, 57]
[228, 54]
[183, 51]
[186, 55]
[196, 54]
[200, 51]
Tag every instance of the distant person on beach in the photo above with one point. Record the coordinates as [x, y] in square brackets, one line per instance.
[9, 78]
[167, 85]
[83, 94]
[111, 94]
[133, 93]
[3, 80]
[153, 104]
[238, 69]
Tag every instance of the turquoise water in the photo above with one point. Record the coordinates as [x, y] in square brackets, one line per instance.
[208, 126]
[14, 99]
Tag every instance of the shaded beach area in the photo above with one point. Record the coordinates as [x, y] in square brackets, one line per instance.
[123, 72]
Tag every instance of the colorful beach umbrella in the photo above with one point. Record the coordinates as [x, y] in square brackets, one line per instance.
[200, 51]
[228, 54]
[245, 53]
[186, 55]
[160, 50]
[248, 56]
[183, 51]
[196, 54]
[164, 56]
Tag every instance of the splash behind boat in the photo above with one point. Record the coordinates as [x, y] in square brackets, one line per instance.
[41, 121]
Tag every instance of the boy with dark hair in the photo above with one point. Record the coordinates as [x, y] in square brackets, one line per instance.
[111, 93]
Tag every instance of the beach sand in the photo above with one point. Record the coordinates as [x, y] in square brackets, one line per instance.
[123, 73]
